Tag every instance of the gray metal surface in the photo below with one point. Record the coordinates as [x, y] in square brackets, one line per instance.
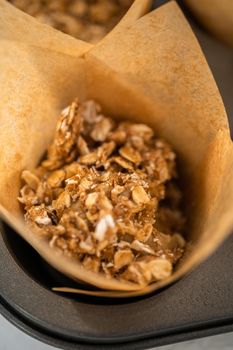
[13, 338]
[199, 304]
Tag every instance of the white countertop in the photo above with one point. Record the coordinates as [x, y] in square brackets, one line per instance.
[13, 339]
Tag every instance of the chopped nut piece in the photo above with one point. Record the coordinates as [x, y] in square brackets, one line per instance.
[102, 226]
[123, 163]
[28, 196]
[59, 230]
[82, 146]
[159, 268]
[87, 246]
[73, 169]
[73, 244]
[98, 197]
[30, 179]
[130, 154]
[89, 158]
[137, 142]
[92, 264]
[141, 247]
[118, 136]
[101, 130]
[56, 178]
[139, 195]
[63, 201]
[91, 199]
[144, 233]
[115, 192]
[177, 241]
[85, 184]
[122, 258]
[134, 273]
[61, 243]
[39, 215]
[104, 203]
[43, 220]
[141, 130]
[74, 180]
[104, 151]
[123, 244]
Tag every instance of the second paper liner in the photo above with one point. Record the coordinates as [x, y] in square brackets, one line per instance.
[216, 16]
[152, 71]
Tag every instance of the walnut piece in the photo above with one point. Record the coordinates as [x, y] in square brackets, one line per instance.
[98, 196]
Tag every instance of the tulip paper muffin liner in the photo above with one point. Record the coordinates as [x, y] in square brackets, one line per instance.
[151, 70]
[216, 16]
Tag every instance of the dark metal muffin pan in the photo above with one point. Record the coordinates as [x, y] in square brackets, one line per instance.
[200, 304]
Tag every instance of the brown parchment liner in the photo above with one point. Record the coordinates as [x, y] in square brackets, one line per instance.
[216, 16]
[151, 70]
